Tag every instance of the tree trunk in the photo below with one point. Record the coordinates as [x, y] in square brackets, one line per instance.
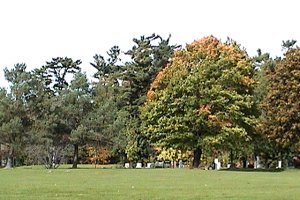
[75, 158]
[197, 156]
[9, 163]
[231, 159]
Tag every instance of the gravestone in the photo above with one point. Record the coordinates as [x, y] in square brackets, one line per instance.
[150, 165]
[180, 164]
[138, 165]
[126, 165]
[279, 164]
[217, 164]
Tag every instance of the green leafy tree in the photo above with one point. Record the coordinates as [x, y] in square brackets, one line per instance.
[204, 97]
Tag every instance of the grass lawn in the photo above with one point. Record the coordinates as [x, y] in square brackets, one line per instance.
[84, 183]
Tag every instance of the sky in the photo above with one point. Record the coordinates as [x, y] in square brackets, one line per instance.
[35, 31]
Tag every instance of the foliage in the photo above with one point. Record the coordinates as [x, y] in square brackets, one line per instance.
[288, 44]
[52, 108]
[78, 104]
[149, 55]
[56, 71]
[98, 156]
[105, 113]
[172, 154]
[263, 65]
[107, 68]
[14, 116]
[204, 97]
[281, 104]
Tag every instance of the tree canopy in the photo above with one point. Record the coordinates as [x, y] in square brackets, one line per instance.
[280, 106]
[205, 96]
[204, 100]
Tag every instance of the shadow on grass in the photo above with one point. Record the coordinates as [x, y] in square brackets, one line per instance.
[69, 167]
[253, 170]
[79, 168]
[93, 167]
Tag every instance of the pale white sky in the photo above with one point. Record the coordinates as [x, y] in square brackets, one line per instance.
[35, 31]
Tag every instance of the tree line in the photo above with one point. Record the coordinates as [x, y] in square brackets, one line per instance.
[207, 99]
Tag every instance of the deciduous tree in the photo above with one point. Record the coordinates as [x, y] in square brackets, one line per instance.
[281, 119]
[204, 97]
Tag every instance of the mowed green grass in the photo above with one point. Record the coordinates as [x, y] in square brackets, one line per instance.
[64, 183]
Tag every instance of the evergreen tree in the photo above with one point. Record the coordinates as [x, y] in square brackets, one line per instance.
[149, 55]
[14, 116]
[52, 128]
[78, 105]
[57, 71]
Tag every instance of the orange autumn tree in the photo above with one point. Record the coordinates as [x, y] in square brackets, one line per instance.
[203, 97]
[99, 155]
[280, 107]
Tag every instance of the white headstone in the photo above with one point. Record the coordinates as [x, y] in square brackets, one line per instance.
[180, 164]
[257, 163]
[217, 164]
[138, 165]
[149, 165]
[279, 164]
[216, 160]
